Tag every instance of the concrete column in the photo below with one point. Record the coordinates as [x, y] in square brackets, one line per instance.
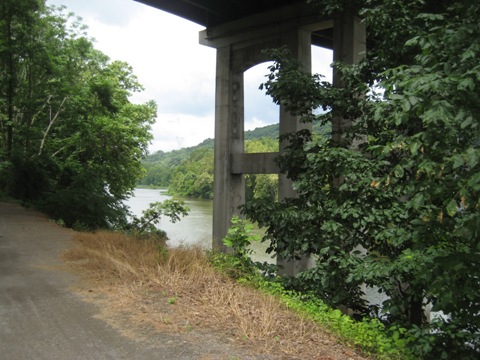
[301, 48]
[239, 45]
[229, 191]
[349, 47]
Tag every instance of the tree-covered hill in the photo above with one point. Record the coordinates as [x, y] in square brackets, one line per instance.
[189, 171]
[161, 165]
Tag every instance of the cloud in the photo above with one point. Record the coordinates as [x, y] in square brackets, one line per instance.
[115, 12]
[163, 50]
[177, 72]
[176, 130]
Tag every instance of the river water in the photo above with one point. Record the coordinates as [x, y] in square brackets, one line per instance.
[196, 228]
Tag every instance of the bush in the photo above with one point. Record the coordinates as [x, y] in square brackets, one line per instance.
[370, 335]
[85, 204]
[27, 180]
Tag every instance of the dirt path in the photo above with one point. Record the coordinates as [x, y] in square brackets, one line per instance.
[41, 318]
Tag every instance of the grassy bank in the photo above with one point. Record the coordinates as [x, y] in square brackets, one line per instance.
[178, 290]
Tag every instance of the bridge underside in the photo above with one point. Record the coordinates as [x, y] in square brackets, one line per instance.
[240, 30]
[212, 13]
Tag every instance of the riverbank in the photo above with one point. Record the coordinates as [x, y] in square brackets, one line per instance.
[176, 290]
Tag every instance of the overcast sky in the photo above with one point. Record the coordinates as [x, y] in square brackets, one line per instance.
[177, 72]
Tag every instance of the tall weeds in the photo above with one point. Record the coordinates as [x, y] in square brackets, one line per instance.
[171, 287]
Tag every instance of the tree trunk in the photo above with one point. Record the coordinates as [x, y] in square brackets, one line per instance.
[10, 86]
[416, 312]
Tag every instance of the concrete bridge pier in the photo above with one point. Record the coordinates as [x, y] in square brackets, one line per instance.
[239, 47]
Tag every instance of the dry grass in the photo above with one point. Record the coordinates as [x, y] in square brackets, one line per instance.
[179, 291]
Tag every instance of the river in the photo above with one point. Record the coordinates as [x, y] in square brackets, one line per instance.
[196, 228]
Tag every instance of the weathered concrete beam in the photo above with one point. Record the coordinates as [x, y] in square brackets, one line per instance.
[265, 25]
[257, 163]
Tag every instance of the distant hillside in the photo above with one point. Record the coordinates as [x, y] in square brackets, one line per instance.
[269, 131]
[175, 157]
[161, 165]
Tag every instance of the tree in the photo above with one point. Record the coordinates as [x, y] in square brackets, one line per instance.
[402, 211]
[18, 23]
[72, 138]
[194, 177]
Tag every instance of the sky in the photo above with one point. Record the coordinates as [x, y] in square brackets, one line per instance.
[176, 71]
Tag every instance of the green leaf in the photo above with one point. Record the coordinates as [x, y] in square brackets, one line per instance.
[414, 146]
[398, 172]
[418, 200]
[452, 207]
[466, 84]
[458, 162]
[467, 122]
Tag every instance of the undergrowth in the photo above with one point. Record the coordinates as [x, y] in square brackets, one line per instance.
[370, 335]
[226, 293]
[178, 290]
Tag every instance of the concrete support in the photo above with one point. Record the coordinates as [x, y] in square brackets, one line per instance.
[229, 191]
[349, 47]
[301, 48]
[239, 46]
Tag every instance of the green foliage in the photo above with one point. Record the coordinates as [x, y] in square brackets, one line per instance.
[5, 174]
[269, 132]
[27, 179]
[145, 226]
[239, 264]
[172, 300]
[159, 166]
[192, 171]
[189, 171]
[85, 205]
[239, 238]
[369, 335]
[194, 177]
[400, 212]
[67, 126]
